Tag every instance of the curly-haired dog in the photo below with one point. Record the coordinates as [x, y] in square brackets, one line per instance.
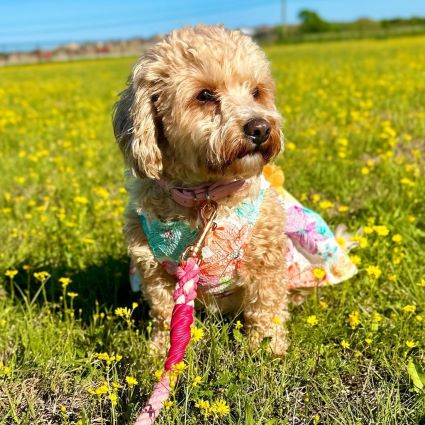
[199, 110]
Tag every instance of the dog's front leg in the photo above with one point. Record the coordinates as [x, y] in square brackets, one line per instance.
[265, 286]
[157, 285]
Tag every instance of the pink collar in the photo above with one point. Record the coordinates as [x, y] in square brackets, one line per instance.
[193, 196]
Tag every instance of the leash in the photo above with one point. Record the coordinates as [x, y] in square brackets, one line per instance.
[182, 316]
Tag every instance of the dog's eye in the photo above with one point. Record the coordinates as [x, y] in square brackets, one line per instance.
[206, 96]
[256, 92]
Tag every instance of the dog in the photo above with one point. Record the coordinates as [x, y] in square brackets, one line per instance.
[199, 114]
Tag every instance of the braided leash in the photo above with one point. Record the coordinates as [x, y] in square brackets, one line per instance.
[182, 316]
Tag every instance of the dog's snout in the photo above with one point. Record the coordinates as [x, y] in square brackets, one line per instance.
[258, 130]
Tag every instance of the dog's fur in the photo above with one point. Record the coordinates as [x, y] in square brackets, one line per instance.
[164, 131]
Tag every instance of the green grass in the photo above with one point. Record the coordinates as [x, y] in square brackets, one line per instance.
[355, 129]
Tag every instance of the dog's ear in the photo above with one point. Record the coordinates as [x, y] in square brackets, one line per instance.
[135, 129]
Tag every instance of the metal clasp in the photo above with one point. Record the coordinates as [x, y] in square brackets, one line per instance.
[207, 212]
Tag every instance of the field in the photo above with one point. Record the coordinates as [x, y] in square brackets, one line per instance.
[355, 152]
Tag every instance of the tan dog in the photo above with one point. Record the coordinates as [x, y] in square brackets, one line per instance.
[199, 108]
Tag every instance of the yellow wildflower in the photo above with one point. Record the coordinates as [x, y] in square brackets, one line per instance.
[312, 320]
[368, 341]
[131, 381]
[397, 238]
[421, 283]
[113, 397]
[409, 308]
[158, 374]
[376, 317]
[179, 367]
[356, 259]
[373, 272]
[238, 325]
[326, 204]
[220, 408]
[276, 320]
[323, 305]
[319, 273]
[123, 312]
[168, 404]
[64, 281]
[381, 230]
[72, 295]
[41, 276]
[343, 208]
[419, 318]
[354, 319]
[134, 306]
[196, 381]
[197, 334]
[411, 344]
[204, 406]
[11, 273]
[345, 344]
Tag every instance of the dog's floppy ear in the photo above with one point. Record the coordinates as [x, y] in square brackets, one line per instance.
[135, 130]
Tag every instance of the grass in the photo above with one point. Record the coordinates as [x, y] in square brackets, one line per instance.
[355, 128]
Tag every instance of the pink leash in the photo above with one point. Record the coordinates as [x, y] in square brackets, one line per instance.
[182, 316]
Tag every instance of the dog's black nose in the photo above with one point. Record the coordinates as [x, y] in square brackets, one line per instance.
[258, 130]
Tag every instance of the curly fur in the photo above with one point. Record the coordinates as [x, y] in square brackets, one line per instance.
[164, 131]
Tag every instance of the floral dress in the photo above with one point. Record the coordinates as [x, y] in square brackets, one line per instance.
[313, 255]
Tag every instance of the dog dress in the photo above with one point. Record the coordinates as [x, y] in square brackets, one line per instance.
[313, 255]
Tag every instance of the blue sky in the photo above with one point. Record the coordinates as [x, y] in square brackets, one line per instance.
[28, 24]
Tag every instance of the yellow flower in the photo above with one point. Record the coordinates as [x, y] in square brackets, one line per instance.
[367, 230]
[72, 295]
[179, 367]
[411, 344]
[345, 344]
[197, 334]
[220, 408]
[204, 406]
[312, 320]
[355, 259]
[64, 281]
[168, 404]
[365, 171]
[123, 312]
[363, 243]
[158, 374]
[276, 320]
[113, 397]
[131, 381]
[376, 317]
[397, 238]
[196, 381]
[134, 306]
[407, 182]
[238, 325]
[381, 230]
[373, 272]
[103, 389]
[11, 273]
[392, 277]
[323, 305]
[421, 283]
[326, 205]
[368, 341]
[343, 208]
[41, 276]
[354, 319]
[319, 273]
[419, 318]
[410, 308]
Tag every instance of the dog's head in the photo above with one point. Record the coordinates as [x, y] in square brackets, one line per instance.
[199, 107]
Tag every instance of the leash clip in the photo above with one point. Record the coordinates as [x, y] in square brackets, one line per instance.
[207, 212]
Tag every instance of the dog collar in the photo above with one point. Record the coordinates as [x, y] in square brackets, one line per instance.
[194, 196]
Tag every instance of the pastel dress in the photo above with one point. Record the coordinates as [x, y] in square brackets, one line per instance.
[313, 255]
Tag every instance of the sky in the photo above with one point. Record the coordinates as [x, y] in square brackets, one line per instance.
[30, 24]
